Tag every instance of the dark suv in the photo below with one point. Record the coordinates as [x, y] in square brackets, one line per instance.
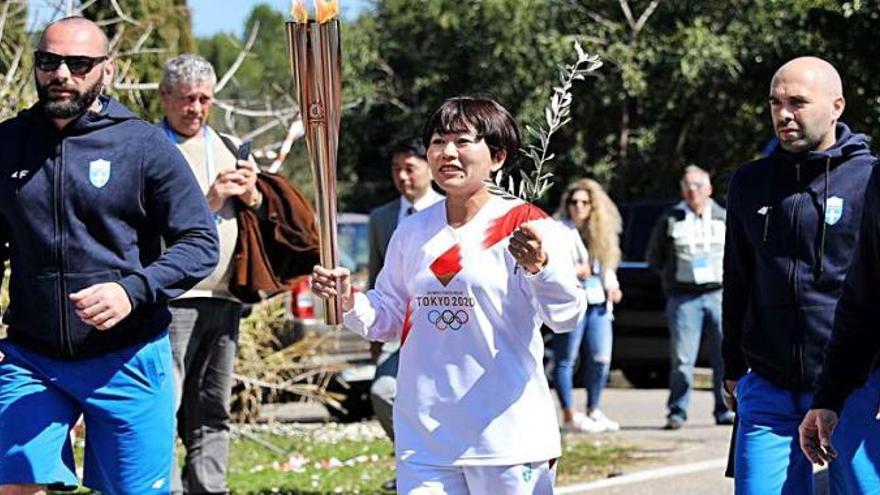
[641, 337]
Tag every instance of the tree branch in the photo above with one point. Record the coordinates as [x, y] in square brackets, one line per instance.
[121, 13]
[627, 12]
[231, 107]
[643, 19]
[124, 86]
[240, 59]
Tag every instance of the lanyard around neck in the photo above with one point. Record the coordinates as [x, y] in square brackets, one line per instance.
[209, 152]
[691, 220]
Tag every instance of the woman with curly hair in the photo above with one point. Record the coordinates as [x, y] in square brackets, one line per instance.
[594, 225]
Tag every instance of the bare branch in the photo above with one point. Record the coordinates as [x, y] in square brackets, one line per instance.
[294, 132]
[229, 120]
[240, 59]
[624, 6]
[5, 15]
[263, 129]
[142, 51]
[86, 4]
[602, 20]
[121, 13]
[117, 38]
[230, 107]
[144, 37]
[13, 67]
[643, 19]
[125, 86]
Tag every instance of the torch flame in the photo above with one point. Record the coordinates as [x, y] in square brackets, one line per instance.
[299, 12]
[326, 10]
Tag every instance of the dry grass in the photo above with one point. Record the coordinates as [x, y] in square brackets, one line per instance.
[275, 366]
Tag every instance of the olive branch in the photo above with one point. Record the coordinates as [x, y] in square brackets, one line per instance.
[534, 183]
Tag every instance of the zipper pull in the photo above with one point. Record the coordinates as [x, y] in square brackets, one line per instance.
[766, 223]
[797, 170]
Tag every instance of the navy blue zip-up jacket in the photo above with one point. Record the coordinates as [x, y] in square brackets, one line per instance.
[792, 226]
[855, 340]
[90, 204]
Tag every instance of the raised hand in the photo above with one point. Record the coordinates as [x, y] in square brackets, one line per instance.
[527, 248]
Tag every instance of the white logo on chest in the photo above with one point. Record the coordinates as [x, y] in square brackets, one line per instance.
[99, 172]
[833, 210]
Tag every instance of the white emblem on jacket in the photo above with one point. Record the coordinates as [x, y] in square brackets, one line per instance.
[99, 172]
[833, 210]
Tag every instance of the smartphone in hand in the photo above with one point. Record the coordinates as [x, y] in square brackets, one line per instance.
[244, 151]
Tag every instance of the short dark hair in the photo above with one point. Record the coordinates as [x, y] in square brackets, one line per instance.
[488, 118]
[408, 146]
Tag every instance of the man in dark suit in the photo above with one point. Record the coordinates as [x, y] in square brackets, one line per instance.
[412, 179]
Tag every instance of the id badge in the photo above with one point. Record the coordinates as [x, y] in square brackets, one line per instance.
[595, 291]
[703, 273]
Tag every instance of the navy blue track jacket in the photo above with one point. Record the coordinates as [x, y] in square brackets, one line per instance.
[90, 204]
[792, 226]
[855, 340]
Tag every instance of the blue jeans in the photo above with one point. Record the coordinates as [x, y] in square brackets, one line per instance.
[592, 340]
[688, 316]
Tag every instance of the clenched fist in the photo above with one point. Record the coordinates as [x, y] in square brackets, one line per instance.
[526, 248]
[102, 305]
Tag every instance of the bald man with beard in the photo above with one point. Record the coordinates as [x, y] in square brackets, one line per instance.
[792, 226]
[88, 194]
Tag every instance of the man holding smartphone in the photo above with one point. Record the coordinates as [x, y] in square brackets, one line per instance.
[204, 329]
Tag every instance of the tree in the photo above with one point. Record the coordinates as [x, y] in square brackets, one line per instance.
[144, 34]
[692, 86]
[411, 55]
[15, 57]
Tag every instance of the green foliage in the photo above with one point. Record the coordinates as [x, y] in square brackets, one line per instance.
[154, 31]
[537, 181]
[16, 92]
[684, 82]
[252, 467]
[690, 86]
[425, 52]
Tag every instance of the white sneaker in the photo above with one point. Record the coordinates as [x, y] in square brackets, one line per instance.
[581, 423]
[599, 418]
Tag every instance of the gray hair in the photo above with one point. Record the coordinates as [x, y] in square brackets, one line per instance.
[693, 169]
[187, 68]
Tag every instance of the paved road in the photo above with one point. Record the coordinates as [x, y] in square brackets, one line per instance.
[689, 461]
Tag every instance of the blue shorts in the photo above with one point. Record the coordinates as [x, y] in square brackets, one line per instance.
[127, 399]
[768, 455]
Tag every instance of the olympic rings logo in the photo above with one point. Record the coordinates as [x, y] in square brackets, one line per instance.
[448, 319]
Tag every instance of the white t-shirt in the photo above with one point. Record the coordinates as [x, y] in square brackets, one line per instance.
[471, 388]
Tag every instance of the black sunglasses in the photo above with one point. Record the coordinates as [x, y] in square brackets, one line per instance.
[78, 65]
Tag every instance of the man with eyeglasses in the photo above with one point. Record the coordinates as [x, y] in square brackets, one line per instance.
[792, 227]
[89, 192]
[205, 323]
[686, 249]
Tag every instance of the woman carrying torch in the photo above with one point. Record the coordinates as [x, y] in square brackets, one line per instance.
[465, 286]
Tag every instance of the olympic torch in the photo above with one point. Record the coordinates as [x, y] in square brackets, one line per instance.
[316, 68]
